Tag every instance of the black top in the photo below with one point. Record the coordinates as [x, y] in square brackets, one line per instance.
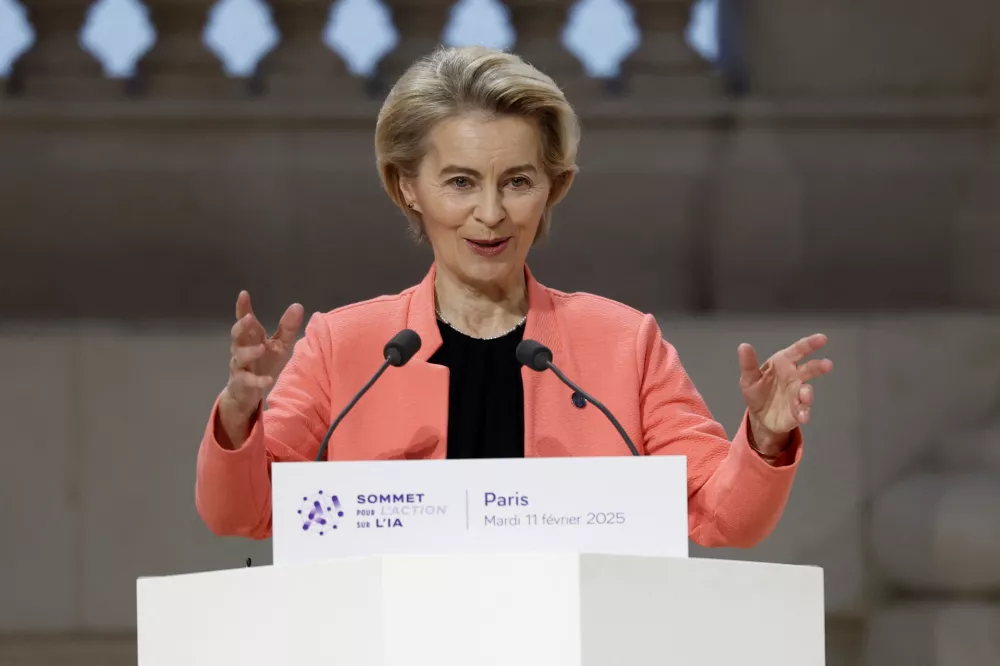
[485, 394]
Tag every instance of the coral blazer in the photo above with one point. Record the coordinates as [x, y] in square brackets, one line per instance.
[614, 352]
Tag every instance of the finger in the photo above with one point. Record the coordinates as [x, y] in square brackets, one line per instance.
[247, 331]
[749, 368]
[290, 323]
[805, 346]
[248, 380]
[244, 356]
[243, 306]
[806, 395]
[815, 368]
[803, 415]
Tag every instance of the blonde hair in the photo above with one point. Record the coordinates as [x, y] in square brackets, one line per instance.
[454, 81]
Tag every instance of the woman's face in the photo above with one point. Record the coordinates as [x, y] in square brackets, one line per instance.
[481, 191]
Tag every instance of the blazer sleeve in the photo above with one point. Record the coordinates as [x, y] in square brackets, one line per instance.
[233, 487]
[735, 498]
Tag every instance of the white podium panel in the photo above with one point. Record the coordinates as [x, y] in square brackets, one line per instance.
[614, 505]
[487, 610]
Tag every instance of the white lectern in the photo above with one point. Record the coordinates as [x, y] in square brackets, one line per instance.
[487, 610]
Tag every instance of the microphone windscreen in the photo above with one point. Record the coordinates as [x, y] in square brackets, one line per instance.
[402, 347]
[534, 354]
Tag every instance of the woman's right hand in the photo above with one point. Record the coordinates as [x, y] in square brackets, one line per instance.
[255, 362]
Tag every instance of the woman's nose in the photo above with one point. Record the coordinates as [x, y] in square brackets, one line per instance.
[490, 210]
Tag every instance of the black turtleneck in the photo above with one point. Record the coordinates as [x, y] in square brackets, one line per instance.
[485, 394]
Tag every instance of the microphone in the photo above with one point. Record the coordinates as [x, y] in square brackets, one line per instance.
[538, 357]
[397, 352]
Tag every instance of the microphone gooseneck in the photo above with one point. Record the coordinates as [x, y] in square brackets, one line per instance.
[397, 352]
[538, 357]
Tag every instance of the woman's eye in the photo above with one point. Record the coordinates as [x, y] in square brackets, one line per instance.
[460, 182]
[519, 182]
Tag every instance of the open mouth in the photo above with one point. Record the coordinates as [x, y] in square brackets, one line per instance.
[488, 247]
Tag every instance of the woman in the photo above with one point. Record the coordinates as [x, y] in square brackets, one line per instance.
[476, 147]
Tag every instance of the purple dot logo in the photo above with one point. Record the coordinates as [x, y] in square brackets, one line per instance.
[320, 513]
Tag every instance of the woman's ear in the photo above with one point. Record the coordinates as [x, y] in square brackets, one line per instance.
[561, 185]
[409, 192]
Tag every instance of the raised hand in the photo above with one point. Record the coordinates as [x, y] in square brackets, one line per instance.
[777, 394]
[255, 362]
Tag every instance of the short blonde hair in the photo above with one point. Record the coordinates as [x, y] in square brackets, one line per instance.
[453, 81]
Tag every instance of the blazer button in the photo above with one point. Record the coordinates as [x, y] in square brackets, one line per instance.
[579, 400]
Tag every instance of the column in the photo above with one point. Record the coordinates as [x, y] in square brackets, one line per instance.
[301, 64]
[57, 65]
[180, 64]
[756, 200]
[975, 271]
[975, 246]
[539, 26]
[664, 64]
[420, 24]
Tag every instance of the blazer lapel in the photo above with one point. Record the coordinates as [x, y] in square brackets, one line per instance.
[421, 317]
[423, 387]
[548, 407]
[553, 426]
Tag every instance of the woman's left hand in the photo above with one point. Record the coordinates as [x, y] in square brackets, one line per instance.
[777, 394]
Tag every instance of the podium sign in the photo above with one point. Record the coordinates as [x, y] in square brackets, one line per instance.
[605, 505]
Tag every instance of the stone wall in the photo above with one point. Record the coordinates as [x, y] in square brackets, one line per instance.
[856, 174]
[852, 189]
[103, 424]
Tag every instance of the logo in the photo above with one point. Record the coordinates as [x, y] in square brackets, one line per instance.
[320, 513]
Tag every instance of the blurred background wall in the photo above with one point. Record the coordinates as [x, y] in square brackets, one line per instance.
[750, 170]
